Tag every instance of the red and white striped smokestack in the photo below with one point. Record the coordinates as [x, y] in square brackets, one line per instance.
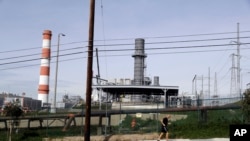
[43, 89]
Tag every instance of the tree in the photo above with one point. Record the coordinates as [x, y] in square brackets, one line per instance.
[14, 110]
[246, 106]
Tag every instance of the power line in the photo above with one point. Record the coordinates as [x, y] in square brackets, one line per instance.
[179, 52]
[177, 36]
[28, 60]
[177, 47]
[182, 52]
[32, 65]
[28, 55]
[104, 42]
[128, 49]
[119, 50]
[181, 41]
[32, 48]
[21, 56]
[159, 37]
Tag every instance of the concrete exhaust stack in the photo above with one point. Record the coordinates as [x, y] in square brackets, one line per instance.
[43, 88]
[139, 66]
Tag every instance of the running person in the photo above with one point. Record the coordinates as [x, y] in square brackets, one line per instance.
[164, 127]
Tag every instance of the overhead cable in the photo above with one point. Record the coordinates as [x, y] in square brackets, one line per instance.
[159, 37]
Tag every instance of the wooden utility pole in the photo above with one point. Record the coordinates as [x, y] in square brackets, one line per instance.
[89, 71]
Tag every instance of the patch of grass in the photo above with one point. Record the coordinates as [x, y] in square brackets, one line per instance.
[22, 135]
[193, 127]
[217, 125]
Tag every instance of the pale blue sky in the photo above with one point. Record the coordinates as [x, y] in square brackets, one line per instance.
[23, 21]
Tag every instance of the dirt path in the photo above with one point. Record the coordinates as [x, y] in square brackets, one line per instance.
[129, 137]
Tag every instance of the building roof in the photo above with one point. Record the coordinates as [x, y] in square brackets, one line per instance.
[136, 89]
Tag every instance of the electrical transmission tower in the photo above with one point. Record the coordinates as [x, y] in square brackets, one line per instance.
[233, 88]
[215, 85]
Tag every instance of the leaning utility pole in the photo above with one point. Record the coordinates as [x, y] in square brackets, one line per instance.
[89, 71]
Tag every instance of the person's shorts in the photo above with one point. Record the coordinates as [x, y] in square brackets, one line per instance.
[164, 129]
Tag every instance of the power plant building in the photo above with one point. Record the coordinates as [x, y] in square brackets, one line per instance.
[139, 89]
[26, 103]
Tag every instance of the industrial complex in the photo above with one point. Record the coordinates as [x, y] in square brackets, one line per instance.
[139, 90]
[130, 92]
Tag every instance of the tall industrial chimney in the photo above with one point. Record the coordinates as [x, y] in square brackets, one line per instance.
[139, 66]
[43, 89]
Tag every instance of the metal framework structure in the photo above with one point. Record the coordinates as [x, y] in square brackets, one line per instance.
[117, 90]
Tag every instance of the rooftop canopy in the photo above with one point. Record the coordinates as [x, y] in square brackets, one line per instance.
[136, 89]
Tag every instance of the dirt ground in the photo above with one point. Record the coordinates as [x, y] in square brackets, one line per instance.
[127, 137]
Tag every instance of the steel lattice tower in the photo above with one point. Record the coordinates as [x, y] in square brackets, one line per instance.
[233, 88]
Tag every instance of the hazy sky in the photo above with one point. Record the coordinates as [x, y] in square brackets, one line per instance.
[164, 24]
